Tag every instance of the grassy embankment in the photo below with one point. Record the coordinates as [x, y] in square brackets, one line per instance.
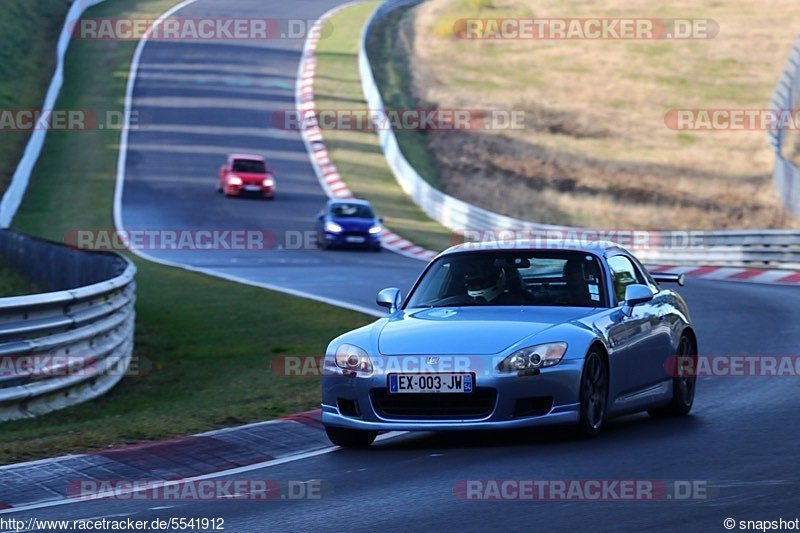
[203, 345]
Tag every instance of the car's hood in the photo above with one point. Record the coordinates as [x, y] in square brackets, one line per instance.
[354, 224]
[468, 330]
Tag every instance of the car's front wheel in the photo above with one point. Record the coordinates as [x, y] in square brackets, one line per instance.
[594, 394]
[683, 385]
[350, 438]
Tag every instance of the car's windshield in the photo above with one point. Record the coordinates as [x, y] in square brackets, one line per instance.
[249, 165]
[346, 210]
[549, 278]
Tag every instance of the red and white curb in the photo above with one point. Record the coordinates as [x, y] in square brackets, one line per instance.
[752, 275]
[327, 174]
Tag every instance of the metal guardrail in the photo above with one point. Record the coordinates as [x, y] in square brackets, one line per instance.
[786, 96]
[775, 248]
[69, 345]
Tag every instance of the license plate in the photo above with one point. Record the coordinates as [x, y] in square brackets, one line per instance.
[420, 383]
[354, 239]
[253, 188]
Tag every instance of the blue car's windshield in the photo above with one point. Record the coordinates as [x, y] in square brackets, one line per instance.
[512, 278]
[346, 210]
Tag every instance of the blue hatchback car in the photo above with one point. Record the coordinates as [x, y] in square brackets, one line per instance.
[348, 223]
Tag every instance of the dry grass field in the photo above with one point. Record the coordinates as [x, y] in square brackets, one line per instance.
[595, 149]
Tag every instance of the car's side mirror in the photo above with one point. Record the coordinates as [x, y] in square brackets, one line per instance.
[636, 295]
[389, 298]
[380, 219]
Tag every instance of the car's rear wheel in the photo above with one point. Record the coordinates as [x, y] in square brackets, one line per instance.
[683, 385]
[594, 395]
[350, 438]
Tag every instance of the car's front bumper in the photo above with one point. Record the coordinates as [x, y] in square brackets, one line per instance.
[242, 190]
[346, 239]
[358, 402]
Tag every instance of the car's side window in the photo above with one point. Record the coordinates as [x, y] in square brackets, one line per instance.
[644, 275]
[623, 273]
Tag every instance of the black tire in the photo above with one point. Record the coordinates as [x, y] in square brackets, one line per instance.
[594, 395]
[377, 248]
[350, 438]
[683, 387]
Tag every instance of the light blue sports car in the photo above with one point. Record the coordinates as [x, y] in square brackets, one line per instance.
[512, 335]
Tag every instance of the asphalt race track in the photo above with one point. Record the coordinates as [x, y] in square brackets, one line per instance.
[198, 101]
[741, 438]
[205, 100]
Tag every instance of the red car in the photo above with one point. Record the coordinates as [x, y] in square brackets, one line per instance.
[246, 174]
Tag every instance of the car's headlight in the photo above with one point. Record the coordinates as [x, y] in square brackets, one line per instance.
[351, 357]
[541, 355]
[234, 180]
[375, 229]
[333, 227]
[268, 182]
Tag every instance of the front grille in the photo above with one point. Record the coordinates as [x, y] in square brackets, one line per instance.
[478, 404]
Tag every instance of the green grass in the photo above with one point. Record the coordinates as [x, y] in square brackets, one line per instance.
[392, 75]
[28, 32]
[202, 361]
[203, 345]
[357, 154]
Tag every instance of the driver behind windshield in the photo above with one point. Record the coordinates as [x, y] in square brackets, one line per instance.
[496, 285]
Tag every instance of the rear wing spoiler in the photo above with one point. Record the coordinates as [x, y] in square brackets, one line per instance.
[680, 279]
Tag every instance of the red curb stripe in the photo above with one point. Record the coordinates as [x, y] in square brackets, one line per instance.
[310, 418]
[792, 278]
[336, 186]
[659, 269]
[747, 274]
[702, 271]
[143, 445]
